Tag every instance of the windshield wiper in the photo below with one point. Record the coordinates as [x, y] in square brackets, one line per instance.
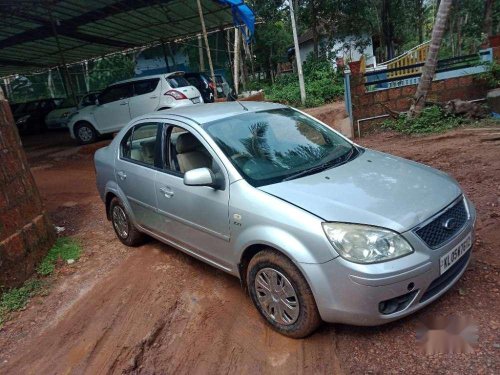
[329, 164]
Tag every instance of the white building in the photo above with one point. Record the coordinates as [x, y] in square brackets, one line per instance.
[345, 50]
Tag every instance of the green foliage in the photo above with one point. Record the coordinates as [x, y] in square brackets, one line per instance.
[322, 83]
[432, 120]
[65, 248]
[17, 298]
[111, 69]
[492, 75]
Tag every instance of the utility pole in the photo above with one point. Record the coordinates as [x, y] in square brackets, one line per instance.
[236, 60]
[297, 56]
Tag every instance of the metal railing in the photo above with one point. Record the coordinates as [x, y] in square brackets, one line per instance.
[396, 76]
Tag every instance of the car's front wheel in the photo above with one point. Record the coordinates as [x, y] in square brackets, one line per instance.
[125, 230]
[85, 133]
[282, 295]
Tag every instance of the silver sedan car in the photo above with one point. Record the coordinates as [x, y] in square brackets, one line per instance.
[316, 227]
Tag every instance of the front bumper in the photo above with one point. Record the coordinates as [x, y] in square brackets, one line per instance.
[351, 293]
[57, 123]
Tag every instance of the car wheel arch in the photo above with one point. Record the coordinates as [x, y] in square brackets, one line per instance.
[113, 190]
[85, 122]
[250, 252]
[109, 197]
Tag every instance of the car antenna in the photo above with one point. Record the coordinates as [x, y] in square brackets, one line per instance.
[245, 108]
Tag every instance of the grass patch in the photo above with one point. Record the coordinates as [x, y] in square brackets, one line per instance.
[17, 298]
[65, 249]
[432, 120]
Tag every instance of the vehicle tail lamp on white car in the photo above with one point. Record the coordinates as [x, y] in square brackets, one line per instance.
[176, 94]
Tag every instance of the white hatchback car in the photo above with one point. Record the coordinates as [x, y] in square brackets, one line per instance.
[125, 100]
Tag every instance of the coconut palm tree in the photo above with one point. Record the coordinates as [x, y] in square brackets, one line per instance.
[431, 63]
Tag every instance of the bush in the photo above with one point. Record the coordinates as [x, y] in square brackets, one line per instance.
[432, 120]
[323, 84]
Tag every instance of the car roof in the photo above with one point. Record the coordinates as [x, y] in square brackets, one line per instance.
[205, 113]
[166, 75]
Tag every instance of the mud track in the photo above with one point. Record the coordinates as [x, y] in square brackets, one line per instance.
[154, 310]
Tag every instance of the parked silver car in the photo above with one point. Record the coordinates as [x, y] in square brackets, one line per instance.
[316, 227]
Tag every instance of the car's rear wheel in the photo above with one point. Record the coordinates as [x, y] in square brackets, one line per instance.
[85, 133]
[282, 295]
[124, 228]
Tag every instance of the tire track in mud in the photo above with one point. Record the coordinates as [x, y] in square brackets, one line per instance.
[160, 311]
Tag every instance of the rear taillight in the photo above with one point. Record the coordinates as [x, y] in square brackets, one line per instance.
[176, 94]
[212, 86]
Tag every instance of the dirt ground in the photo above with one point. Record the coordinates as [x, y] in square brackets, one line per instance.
[154, 310]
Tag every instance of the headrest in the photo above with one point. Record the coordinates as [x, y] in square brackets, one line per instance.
[148, 149]
[186, 142]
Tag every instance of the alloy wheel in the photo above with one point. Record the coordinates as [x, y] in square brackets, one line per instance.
[120, 222]
[85, 133]
[277, 296]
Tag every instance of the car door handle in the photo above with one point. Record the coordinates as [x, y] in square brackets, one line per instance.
[167, 192]
[153, 97]
[123, 103]
[122, 175]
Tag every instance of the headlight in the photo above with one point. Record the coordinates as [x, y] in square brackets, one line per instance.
[366, 244]
[23, 119]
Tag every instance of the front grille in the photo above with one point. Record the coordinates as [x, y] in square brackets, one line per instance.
[435, 233]
[444, 280]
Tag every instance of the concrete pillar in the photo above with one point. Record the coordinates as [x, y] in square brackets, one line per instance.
[26, 233]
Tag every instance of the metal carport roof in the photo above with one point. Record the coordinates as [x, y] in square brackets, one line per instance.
[31, 30]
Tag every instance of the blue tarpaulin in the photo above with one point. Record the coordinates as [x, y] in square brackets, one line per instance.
[242, 15]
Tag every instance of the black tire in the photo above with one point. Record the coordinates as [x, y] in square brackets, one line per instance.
[308, 319]
[85, 133]
[132, 237]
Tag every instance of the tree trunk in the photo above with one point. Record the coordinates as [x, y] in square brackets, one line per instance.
[314, 13]
[431, 62]
[387, 29]
[420, 20]
[488, 17]
[25, 231]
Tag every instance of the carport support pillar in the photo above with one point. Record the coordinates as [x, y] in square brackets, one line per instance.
[26, 233]
[68, 86]
[205, 36]
[165, 56]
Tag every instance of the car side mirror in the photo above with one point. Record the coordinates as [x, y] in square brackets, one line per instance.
[200, 177]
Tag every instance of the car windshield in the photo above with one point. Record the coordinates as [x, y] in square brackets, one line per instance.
[270, 146]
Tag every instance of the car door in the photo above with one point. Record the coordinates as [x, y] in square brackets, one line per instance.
[146, 97]
[136, 168]
[113, 112]
[196, 217]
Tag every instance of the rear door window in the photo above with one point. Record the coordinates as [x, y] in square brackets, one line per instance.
[114, 93]
[146, 86]
[177, 81]
[140, 144]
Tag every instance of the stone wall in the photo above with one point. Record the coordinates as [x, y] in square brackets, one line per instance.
[376, 103]
[25, 231]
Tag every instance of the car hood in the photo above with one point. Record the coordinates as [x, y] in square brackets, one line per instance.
[374, 189]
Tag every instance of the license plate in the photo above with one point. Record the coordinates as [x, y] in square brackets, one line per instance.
[452, 256]
[195, 100]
